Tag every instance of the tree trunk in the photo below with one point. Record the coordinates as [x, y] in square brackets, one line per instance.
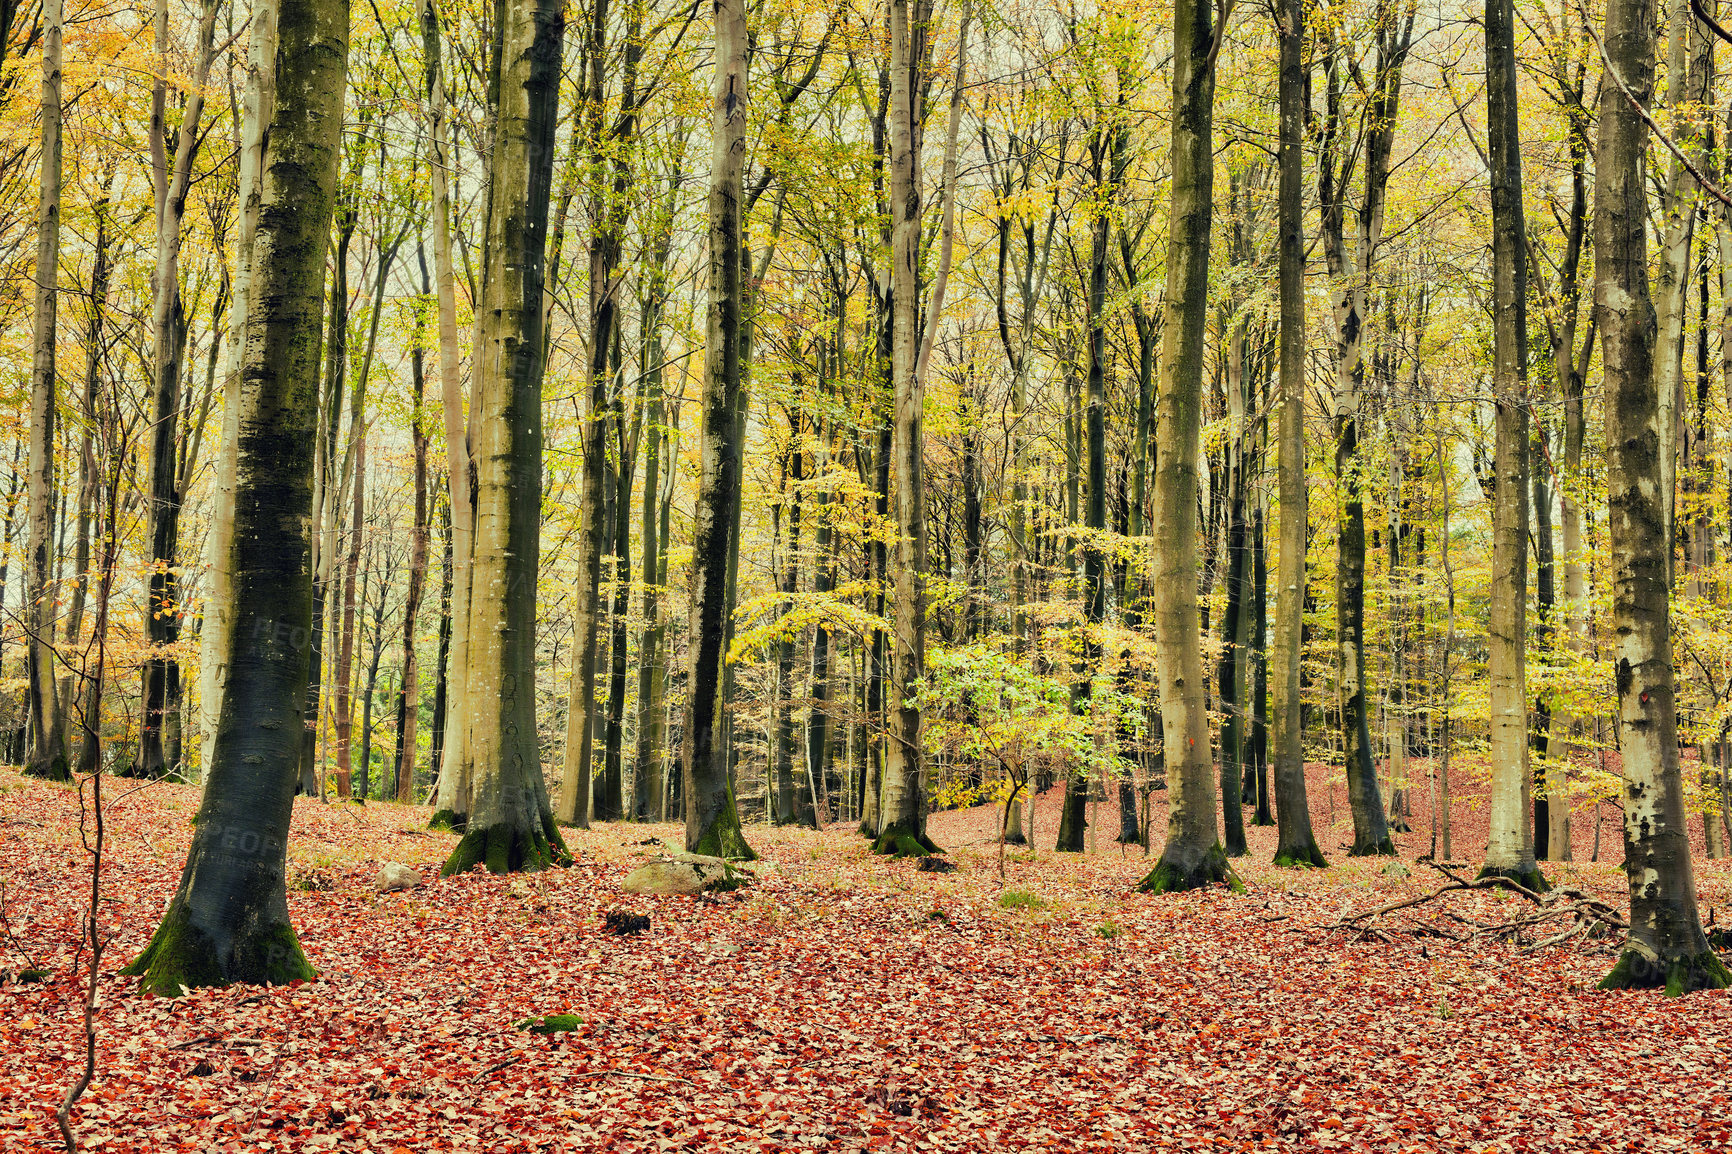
[612, 793]
[1351, 292]
[712, 822]
[92, 479]
[902, 807]
[409, 693]
[511, 824]
[1689, 65]
[229, 920]
[1510, 852]
[1545, 603]
[218, 628]
[1230, 668]
[649, 768]
[163, 611]
[1073, 819]
[453, 763]
[45, 751]
[1193, 856]
[1666, 945]
[1259, 655]
[1568, 372]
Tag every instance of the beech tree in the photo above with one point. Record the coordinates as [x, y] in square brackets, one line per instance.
[229, 920]
[1666, 945]
[45, 749]
[1193, 856]
[712, 821]
[1511, 851]
[510, 824]
[1298, 845]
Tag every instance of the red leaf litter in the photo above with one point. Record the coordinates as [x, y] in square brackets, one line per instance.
[847, 1003]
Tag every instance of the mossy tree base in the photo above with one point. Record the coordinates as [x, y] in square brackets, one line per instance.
[181, 956]
[506, 847]
[1181, 869]
[905, 841]
[1307, 856]
[727, 841]
[55, 769]
[1529, 879]
[1640, 970]
[1262, 821]
[1384, 848]
[447, 819]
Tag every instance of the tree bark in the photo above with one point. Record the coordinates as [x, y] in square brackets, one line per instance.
[454, 765]
[511, 825]
[228, 920]
[1689, 66]
[45, 750]
[1074, 817]
[159, 751]
[712, 822]
[902, 807]
[1192, 857]
[1510, 852]
[409, 692]
[1666, 945]
[258, 99]
[1351, 293]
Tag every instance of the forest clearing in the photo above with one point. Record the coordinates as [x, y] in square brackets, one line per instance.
[848, 1001]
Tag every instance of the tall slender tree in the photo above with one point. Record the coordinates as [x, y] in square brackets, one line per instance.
[1193, 856]
[712, 821]
[510, 820]
[160, 738]
[451, 804]
[902, 805]
[1510, 853]
[45, 749]
[1296, 844]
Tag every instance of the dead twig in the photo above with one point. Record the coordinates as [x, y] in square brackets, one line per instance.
[496, 1067]
[630, 1074]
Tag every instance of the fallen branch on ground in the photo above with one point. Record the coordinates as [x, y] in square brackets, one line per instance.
[1588, 914]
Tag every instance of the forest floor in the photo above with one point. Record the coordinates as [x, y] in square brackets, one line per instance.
[845, 1002]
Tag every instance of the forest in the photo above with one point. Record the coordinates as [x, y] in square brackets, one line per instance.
[932, 574]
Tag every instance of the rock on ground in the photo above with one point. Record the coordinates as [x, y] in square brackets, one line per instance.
[395, 876]
[685, 873]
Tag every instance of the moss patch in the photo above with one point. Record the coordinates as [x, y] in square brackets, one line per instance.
[1171, 876]
[1307, 856]
[448, 819]
[725, 840]
[1528, 879]
[1679, 976]
[55, 769]
[182, 957]
[551, 1023]
[506, 847]
[904, 841]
